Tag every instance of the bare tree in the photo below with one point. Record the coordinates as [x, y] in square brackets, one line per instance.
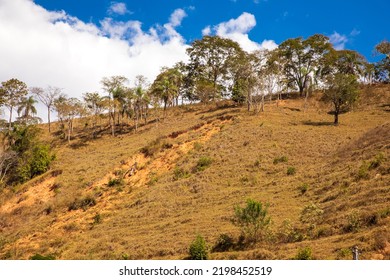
[47, 97]
[7, 160]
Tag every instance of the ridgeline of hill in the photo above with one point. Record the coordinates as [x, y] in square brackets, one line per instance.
[147, 195]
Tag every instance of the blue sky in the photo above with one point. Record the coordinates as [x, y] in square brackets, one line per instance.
[363, 23]
[73, 44]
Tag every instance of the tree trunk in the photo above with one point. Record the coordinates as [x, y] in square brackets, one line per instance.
[10, 119]
[48, 117]
[336, 118]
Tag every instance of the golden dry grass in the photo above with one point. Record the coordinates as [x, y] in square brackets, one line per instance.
[157, 212]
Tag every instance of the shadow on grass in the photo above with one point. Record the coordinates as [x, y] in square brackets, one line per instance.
[318, 123]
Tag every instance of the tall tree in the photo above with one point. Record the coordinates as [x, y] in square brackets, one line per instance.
[47, 97]
[303, 59]
[209, 64]
[27, 110]
[12, 92]
[114, 86]
[68, 109]
[141, 99]
[342, 92]
[383, 66]
[166, 86]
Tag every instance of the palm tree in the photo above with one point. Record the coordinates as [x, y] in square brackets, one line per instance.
[27, 111]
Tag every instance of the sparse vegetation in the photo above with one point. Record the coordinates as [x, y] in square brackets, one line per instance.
[304, 254]
[280, 159]
[291, 170]
[83, 203]
[198, 249]
[253, 220]
[203, 163]
[191, 186]
[303, 188]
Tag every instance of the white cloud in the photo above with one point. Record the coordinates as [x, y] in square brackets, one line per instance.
[206, 31]
[118, 8]
[338, 41]
[177, 17]
[44, 48]
[237, 30]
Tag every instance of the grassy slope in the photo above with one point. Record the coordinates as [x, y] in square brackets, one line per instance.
[154, 215]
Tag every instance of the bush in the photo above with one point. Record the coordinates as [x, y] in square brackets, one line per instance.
[112, 182]
[253, 220]
[353, 222]
[303, 188]
[203, 163]
[34, 162]
[289, 233]
[291, 170]
[83, 203]
[223, 244]
[180, 173]
[304, 254]
[280, 159]
[198, 249]
[97, 219]
[377, 161]
[363, 172]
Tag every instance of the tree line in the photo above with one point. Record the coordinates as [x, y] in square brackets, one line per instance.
[217, 68]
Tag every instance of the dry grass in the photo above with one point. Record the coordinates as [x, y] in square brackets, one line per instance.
[156, 213]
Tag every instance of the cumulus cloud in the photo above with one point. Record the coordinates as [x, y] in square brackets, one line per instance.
[206, 31]
[42, 48]
[237, 30]
[338, 41]
[118, 8]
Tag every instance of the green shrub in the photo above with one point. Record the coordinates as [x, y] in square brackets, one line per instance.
[253, 220]
[363, 172]
[203, 163]
[280, 159]
[97, 219]
[112, 182]
[291, 170]
[303, 188]
[198, 249]
[353, 222]
[180, 173]
[223, 244]
[34, 162]
[377, 161]
[304, 254]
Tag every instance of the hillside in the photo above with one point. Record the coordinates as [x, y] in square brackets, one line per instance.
[194, 167]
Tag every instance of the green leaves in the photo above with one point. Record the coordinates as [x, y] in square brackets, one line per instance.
[253, 220]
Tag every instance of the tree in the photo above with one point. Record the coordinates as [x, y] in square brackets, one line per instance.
[27, 111]
[253, 220]
[68, 109]
[12, 92]
[209, 64]
[342, 92]
[141, 99]
[302, 59]
[166, 86]
[383, 66]
[114, 86]
[94, 103]
[47, 97]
